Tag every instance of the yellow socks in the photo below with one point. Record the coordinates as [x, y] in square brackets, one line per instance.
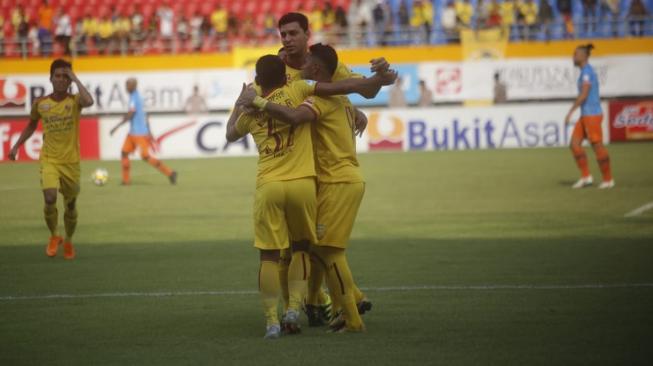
[70, 223]
[51, 218]
[316, 295]
[284, 264]
[341, 285]
[268, 280]
[300, 268]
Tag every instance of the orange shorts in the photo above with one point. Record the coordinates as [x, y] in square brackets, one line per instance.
[132, 141]
[589, 127]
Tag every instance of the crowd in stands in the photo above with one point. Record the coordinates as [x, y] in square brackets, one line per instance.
[45, 27]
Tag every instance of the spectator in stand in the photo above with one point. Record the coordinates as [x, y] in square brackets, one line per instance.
[45, 14]
[2, 33]
[78, 38]
[494, 15]
[329, 16]
[89, 30]
[166, 19]
[397, 99]
[121, 31]
[425, 95]
[429, 14]
[528, 10]
[138, 32]
[316, 20]
[378, 17]
[589, 16]
[233, 28]
[33, 37]
[248, 30]
[464, 13]
[196, 30]
[417, 21]
[219, 21]
[361, 21]
[183, 29]
[507, 15]
[636, 16]
[564, 7]
[610, 9]
[105, 35]
[545, 18]
[483, 8]
[449, 22]
[340, 25]
[404, 21]
[270, 26]
[22, 34]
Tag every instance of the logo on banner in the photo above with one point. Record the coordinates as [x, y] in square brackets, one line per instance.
[448, 81]
[12, 94]
[385, 133]
[637, 121]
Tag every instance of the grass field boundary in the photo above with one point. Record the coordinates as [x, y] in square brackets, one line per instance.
[640, 210]
[596, 286]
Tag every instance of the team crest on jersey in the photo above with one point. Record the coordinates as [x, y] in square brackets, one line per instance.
[320, 230]
[310, 82]
[44, 107]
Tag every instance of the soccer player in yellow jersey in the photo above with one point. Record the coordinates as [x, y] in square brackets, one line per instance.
[340, 182]
[295, 33]
[285, 199]
[60, 170]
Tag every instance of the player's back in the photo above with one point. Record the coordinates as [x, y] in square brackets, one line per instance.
[60, 128]
[138, 124]
[592, 105]
[285, 151]
[334, 140]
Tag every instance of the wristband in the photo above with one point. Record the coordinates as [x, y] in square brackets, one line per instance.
[259, 102]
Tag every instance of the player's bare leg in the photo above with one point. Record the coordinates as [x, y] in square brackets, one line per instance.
[268, 281]
[51, 215]
[124, 162]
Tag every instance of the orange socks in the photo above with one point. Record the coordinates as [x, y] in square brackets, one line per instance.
[603, 159]
[581, 160]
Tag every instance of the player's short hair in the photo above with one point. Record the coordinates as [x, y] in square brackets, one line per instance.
[270, 71]
[294, 17]
[587, 48]
[327, 55]
[59, 63]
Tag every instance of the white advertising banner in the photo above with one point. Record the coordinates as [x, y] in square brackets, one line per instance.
[178, 136]
[161, 91]
[512, 126]
[411, 129]
[528, 78]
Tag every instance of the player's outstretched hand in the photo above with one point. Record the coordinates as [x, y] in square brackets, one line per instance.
[360, 124]
[379, 65]
[387, 77]
[246, 97]
[12, 154]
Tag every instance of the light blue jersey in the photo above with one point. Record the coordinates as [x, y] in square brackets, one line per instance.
[592, 105]
[138, 123]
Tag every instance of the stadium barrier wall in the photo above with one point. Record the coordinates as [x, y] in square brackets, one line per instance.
[631, 120]
[10, 131]
[412, 129]
[526, 79]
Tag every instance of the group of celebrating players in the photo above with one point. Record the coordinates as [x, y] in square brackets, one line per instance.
[309, 185]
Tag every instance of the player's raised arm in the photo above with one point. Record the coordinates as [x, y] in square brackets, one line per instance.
[232, 132]
[85, 98]
[367, 87]
[27, 132]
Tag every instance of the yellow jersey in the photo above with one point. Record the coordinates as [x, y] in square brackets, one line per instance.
[334, 139]
[341, 73]
[219, 20]
[285, 152]
[60, 128]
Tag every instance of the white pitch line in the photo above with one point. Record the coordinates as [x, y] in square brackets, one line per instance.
[597, 286]
[640, 210]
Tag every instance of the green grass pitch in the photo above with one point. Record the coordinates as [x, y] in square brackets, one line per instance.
[470, 258]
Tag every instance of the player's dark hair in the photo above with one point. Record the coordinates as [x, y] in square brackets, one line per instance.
[59, 63]
[294, 17]
[587, 48]
[270, 71]
[327, 55]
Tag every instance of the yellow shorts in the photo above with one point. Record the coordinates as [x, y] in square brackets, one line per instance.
[284, 211]
[337, 207]
[64, 177]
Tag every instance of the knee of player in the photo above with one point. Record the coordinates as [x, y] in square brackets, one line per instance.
[145, 157]
[270, 255]
[300, 246]
[50, 198]
[71, 204]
